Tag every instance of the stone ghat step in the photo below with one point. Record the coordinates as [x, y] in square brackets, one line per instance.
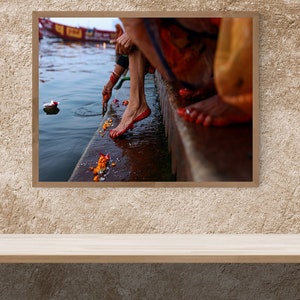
[205, 154]
[140, 155]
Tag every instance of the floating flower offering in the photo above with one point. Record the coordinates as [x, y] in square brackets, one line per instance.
[51, 108]
[125, 102]
[51, 104]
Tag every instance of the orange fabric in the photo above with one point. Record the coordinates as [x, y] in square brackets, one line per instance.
[189, 57]
[233, 62]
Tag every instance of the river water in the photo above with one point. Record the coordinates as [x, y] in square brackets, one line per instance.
[73, 74]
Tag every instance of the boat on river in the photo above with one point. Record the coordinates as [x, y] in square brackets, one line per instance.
[40, 34]
[70, 33]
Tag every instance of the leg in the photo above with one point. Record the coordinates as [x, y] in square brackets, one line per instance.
[180, 57]
[137, 108]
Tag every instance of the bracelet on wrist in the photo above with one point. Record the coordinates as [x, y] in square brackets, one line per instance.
[114, 77]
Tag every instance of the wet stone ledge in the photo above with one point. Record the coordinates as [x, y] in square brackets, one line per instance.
[140, 155]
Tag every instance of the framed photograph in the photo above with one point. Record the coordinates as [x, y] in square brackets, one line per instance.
[97, 122]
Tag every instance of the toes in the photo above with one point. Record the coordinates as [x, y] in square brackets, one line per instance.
[200, 119]
[193, 116]
[115, 133]
[207, 121]
[181, 111]
[186, 114]
[112, 133]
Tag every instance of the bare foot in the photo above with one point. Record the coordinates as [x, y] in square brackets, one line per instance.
[213, 112]
[129, 118]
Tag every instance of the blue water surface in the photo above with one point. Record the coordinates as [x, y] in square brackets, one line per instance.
[72, 74]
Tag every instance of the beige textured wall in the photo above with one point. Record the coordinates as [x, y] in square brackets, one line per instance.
[273, 207]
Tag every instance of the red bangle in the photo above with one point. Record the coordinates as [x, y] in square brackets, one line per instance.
[113, 79]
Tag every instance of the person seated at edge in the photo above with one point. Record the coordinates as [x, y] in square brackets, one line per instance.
[205, 56]
[137, 108]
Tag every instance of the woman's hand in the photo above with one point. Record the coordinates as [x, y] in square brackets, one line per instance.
[106, 92]
[124, 44]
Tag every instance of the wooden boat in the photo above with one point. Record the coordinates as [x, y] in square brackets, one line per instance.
[70, 33]
[40, 34]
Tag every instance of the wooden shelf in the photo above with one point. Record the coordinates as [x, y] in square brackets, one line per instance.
[149, 248]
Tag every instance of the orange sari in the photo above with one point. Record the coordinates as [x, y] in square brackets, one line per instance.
[233, 63]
